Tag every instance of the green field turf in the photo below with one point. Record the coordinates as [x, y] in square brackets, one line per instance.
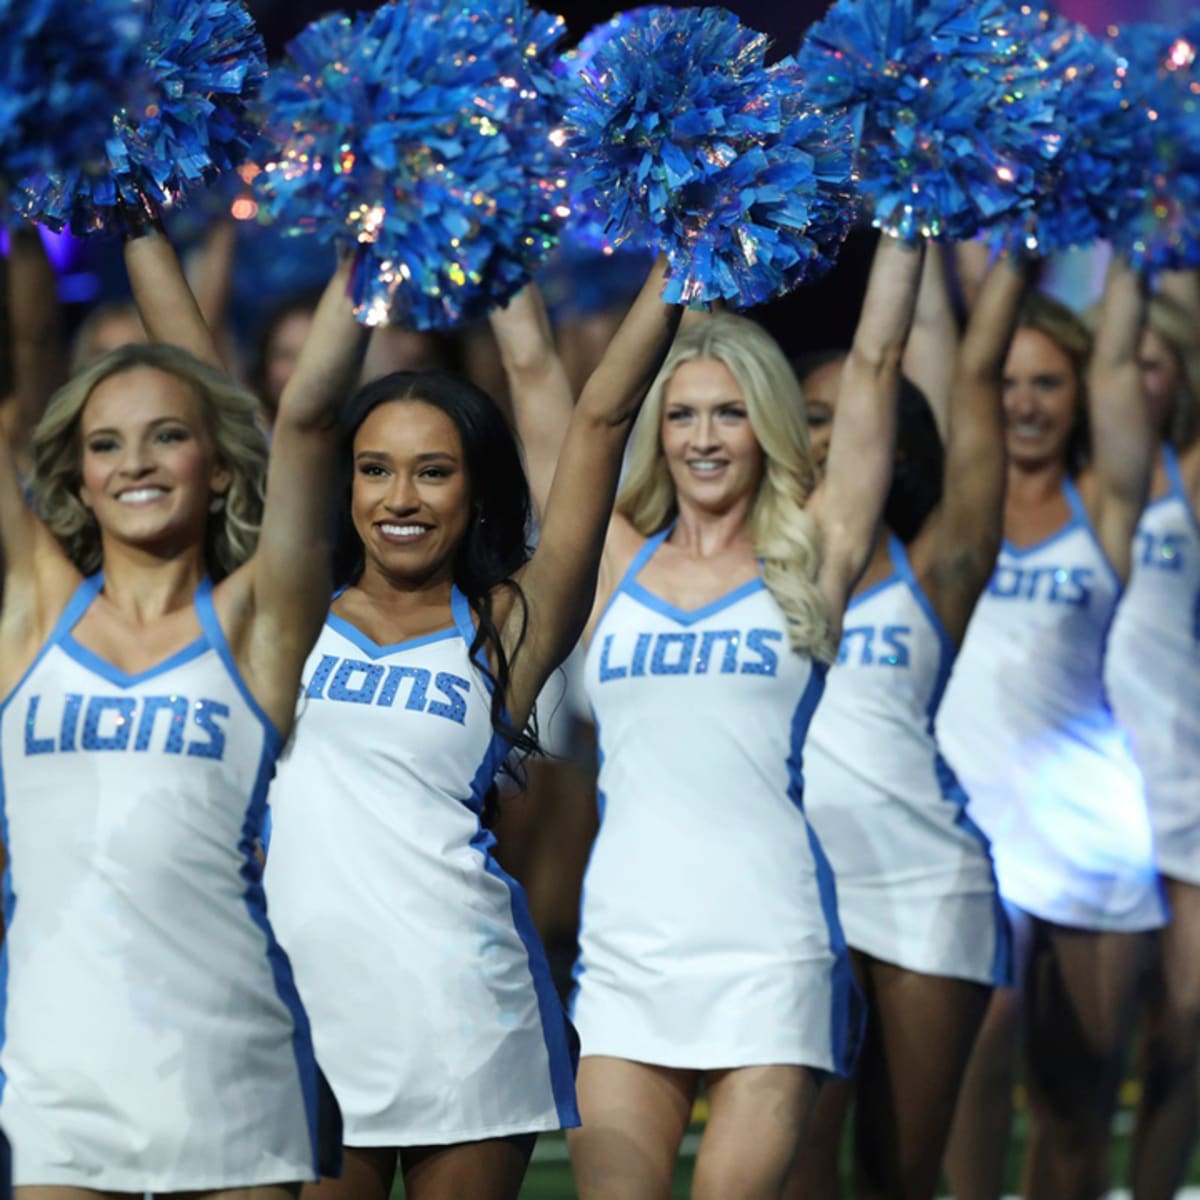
[549, 1175]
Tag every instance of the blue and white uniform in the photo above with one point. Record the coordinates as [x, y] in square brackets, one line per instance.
[433, 1011]
[709, 935]
[153, 1037]
[1027, 727]
[915, 882]
[1154, 673]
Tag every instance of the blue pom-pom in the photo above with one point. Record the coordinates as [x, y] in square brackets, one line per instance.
[1158, 224]
[180, 118]
[692, 145]
[61, 61]
[1080, 190]
[420, 134]
[945, 147]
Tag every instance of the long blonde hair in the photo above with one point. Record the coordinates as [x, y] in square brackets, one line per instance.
[784, 535]
[229, 414]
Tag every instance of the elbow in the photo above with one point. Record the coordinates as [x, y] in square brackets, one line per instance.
[879, 358]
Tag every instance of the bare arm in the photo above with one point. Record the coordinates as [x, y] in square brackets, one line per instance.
[970, 263]
[929, 355]
[214, 273]
[541, 393]
[968, 526]
[1123, 440]
[560, 580]
[164, 300]
[848, 502]
[291, 566]
[39, 360]
[1184, 288]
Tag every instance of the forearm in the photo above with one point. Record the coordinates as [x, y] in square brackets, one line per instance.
[930, 354]
[634, 356]
[888, 307]
[164, 300]
[39, 361]
[329, 362]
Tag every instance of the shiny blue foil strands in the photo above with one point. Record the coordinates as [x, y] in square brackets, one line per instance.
[945, 147]
[1081, 190]
[61, 61]
[1158, 226]
[680, 134]
[180, 118]
[420, 135]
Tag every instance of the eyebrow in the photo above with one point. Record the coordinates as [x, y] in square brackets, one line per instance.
[427, 456]
[111, 430]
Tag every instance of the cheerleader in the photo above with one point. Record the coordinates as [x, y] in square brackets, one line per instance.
[916, 891]
[455, 1052]
[1154, 679]
[1027, 727]
[151, 642]
[710, 945]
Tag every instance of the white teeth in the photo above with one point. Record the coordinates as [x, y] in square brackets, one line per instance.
[141, 495]
[403, 530]
[1028, 429]
[705, 465]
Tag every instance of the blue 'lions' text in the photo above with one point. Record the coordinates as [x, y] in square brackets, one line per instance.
[1051, 585]
[133, 724]
[1161, 551]
[353, 681]
[713, 652]
[875, 646]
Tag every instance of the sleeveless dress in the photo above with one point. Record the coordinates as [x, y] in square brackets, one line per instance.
[431, 1001]
[709, 935]
[915, 882]
[1027, 727]
[153, 1039]
[1154, 673]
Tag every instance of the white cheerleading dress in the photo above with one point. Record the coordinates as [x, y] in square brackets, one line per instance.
[1026, 725]
[1154, 673]
[915, 882]
[153, 1039]
[432, 1007]
[709, 935]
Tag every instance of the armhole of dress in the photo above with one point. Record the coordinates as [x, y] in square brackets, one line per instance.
[1080, 515]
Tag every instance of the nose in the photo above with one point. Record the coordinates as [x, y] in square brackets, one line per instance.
[705, 437]
[135, 460]
[402, 497]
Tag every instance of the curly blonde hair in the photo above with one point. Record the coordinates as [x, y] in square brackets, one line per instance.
[230, 417]
[785, 536]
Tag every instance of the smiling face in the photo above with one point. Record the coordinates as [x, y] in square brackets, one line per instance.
[148, 467]
[712, 453]
[1041, 399]
[411, 500]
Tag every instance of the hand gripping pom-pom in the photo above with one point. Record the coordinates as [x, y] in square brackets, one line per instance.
[1082, 189]
[420, 135]
[61, 61]
[944, 146]
[690, 144]
[1158, 225]
[176, 121]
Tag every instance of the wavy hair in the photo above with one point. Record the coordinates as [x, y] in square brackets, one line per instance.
[785, 536]
[1177, 328]
[230, 418]
[492, 550]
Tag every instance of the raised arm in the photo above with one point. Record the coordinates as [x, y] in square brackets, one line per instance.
[930, 353]
[538, 385]
[965, 533]
[560, 580]
[1184, 288]
[292, 564]
[1123, 438]
[164, 300]
[849, 500]
[35, 323]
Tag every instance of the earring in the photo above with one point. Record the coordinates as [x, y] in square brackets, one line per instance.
[216, 504]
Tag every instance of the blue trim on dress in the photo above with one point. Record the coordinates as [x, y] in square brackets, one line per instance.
[281, 968]
[847, 1018]
[91, 661]
[873, 590]
[947, 651]
[10, 908]
[562, 1043]
[1081, 518]
[683, 616]
[373, 649]
[216, 638]
[78, 604]
[464, 619]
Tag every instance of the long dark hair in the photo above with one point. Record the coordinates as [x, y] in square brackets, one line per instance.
[918, 467]
[496, 542]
